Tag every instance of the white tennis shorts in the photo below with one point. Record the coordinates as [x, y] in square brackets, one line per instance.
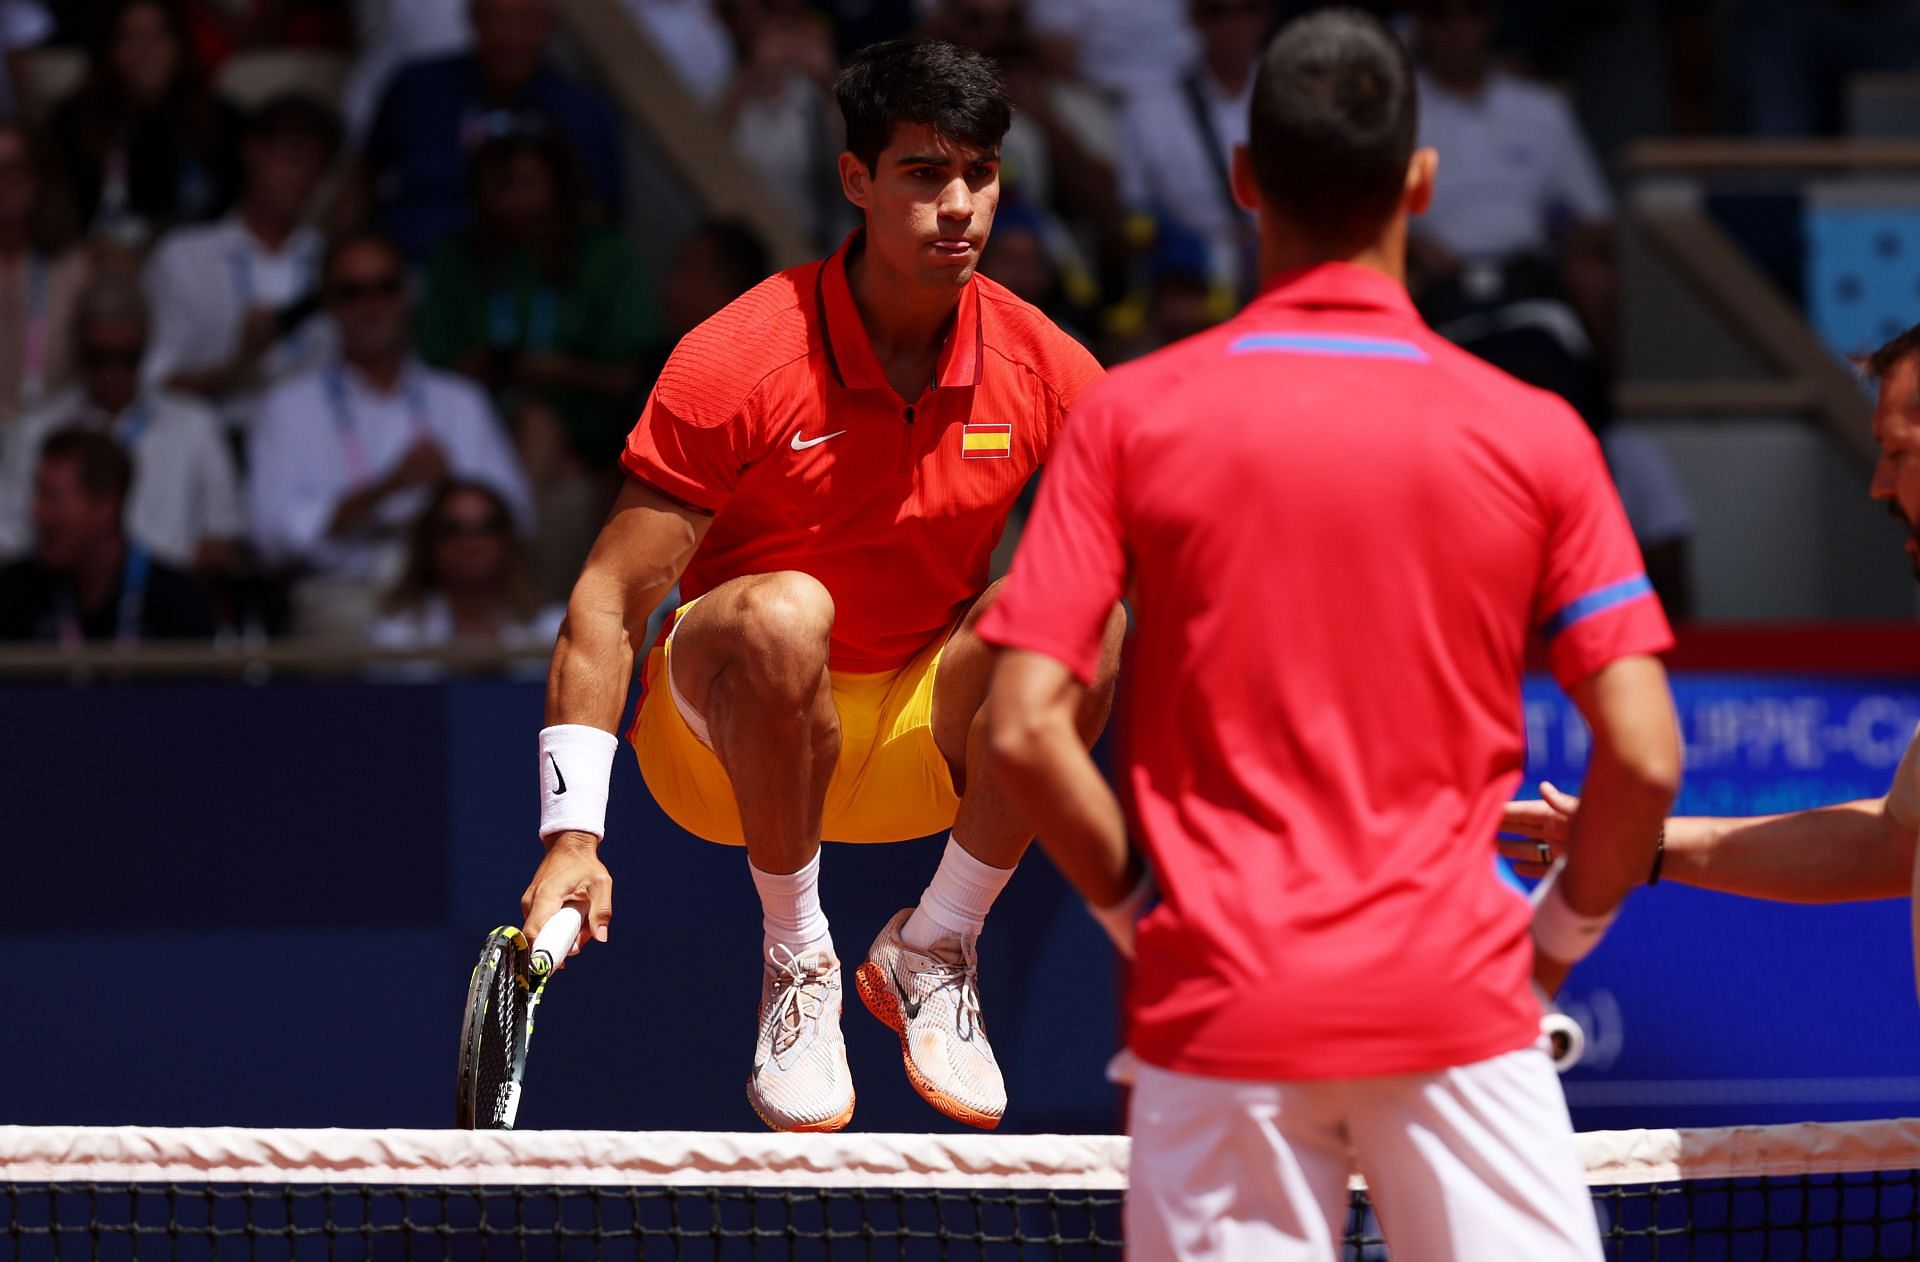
[1470, 1164]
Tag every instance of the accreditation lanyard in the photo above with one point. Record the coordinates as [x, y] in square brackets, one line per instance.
[503, 324]
[133, 602]
[359, 468]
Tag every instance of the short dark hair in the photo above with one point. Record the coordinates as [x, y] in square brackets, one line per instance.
[106, 471]
[296, 116]
[951, 88]
[1882, 360]
[1333, 124]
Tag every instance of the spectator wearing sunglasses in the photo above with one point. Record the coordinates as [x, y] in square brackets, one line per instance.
[466, 581]
[185, 506]
[346, 456]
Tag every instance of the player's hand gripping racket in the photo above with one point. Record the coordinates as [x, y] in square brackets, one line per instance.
[501, 999]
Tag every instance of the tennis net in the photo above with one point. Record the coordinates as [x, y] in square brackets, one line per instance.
[1814, 1191]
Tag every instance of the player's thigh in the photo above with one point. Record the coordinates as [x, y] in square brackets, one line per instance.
[683, 774]
[777, 627]
[892, 783]
[1226, 1171]
[960, 684]
[1476, 1162]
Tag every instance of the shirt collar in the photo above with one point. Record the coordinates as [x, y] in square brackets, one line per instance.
[299, 242]
[409, 383]
[1335, 286]
[850, 351]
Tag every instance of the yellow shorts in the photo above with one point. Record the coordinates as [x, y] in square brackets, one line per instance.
[891, 782]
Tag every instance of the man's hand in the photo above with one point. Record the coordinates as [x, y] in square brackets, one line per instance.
[571, 873]
[1544, 823]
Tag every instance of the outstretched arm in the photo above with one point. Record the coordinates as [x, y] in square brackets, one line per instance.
[1828, 854]
[642, 549]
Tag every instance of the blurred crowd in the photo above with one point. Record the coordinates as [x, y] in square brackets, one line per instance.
[351, 355]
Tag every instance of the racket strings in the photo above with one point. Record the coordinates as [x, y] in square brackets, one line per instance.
[506, 1007]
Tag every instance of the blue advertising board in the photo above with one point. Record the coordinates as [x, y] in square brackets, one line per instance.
[1704, 1009]
[258, 905]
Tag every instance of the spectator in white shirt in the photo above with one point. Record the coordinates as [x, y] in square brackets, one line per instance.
[1178, 137]
[185, 508]
[466, 582]
[346, 456]
[239, 296]
[41, 274]
[1517, 176]
[779, 112]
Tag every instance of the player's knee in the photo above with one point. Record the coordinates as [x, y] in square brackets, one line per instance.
[786, 628]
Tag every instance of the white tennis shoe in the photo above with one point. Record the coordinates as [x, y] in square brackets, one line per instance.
[800, 1080]
[931, 999]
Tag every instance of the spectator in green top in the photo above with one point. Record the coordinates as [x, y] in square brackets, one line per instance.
[552, 315]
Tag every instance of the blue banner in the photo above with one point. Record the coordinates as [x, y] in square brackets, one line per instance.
[1704, 1009]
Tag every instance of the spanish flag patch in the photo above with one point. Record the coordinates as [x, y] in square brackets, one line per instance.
[986, 442]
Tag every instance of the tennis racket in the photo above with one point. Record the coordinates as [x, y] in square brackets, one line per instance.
[501, 999]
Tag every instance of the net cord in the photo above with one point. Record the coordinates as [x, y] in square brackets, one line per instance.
[233, 1155]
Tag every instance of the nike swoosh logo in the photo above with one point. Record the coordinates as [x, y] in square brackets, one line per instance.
[558, 778]
[908, 1004]
[801, 444]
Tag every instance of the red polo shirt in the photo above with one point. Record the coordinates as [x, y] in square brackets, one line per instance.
[774, 416]
[1341, 531]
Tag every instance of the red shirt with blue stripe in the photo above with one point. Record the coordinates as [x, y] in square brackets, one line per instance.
[1340, 532]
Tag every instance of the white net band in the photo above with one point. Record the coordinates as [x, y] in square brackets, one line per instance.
[129, 1154]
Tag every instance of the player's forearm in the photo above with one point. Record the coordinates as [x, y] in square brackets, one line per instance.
[1830, 854]
[594, 655]
[1612, 838]
[1052, 779]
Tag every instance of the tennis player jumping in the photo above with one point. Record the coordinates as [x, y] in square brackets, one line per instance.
[1850, 850]
[825, 467]
[1340, 531]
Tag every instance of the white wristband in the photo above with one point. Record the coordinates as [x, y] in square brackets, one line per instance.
[576, 762]
[1559, 932]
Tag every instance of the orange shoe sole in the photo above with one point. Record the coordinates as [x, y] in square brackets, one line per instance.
[877, 994]
[811, 1128]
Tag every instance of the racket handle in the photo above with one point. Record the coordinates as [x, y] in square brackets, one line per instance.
[1566, 1041]
[556, 938]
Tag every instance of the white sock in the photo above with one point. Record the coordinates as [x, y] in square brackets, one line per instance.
[790, 909]
[957, 900]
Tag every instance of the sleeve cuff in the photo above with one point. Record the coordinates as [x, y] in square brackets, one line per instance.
[995, 630]
[681, 491]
